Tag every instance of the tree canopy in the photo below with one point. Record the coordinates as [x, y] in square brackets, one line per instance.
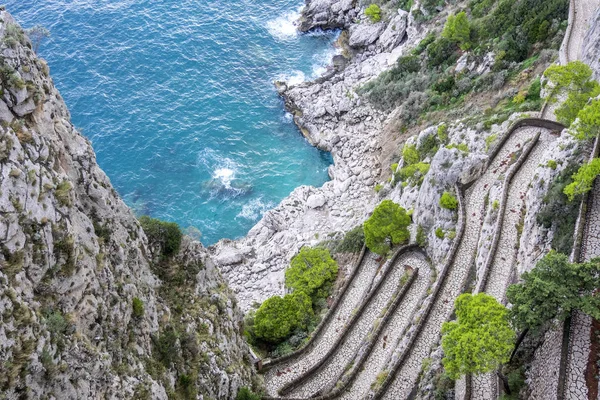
[373, 12]
[278, 316]
[574, 79]
[387, 226]
[553, 289]
[458, 30]
[312, 271]
[480, 340]
[583, 179]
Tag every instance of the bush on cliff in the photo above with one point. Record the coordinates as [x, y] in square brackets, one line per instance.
[312, 271]
[583, 180]
[353, 241]
[386, 227]
[278, 316]
[553, 289]
[373, 12]
[165, 235]
[448, 201]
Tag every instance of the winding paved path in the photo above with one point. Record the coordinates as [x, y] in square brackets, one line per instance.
[285, 372]
[430, 334]
[484, 387]
[326, 377]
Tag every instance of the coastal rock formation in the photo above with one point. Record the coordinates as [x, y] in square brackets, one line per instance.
[83, 313]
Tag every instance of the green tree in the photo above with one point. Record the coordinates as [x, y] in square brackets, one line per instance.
[387, 226]
[373, 12]
[165, 235]
[458, 30]
[448, 201]
[583, 180]
[278, 316]
[575, 79]
[312, 271]
[553, 289]
[588, 122]
[480, 340]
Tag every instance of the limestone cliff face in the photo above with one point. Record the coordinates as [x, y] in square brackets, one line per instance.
[73, 257]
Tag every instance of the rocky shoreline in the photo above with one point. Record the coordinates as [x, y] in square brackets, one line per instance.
[332, 117]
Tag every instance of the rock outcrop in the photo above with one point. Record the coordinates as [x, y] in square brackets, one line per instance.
[82, 311]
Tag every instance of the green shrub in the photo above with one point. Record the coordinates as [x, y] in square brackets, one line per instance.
[387, 226]
[442, 52]
[421, 237]
[448, 201]
[439, 232]
[413, 174]
[442, 133]
[575, 78]
[410, 154]
[246, 394]
[353, 241]
[489, 140]
[583, 180]
[278, 316]
[458, 30]
[166, 235]
[378, 188]
[551, 164]
[138, 307]
[312, 271]
[62, 193]
[373, 12]
[428, 146]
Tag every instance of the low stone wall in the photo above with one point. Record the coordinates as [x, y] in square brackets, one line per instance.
[316, 334]
[420, 319]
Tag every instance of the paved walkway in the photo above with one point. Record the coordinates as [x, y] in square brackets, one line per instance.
[474, 200]
[502, 270]
[327, 376]
[581, 324]
[286, 372]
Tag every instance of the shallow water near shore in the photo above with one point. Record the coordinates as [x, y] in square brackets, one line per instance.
[178, 101]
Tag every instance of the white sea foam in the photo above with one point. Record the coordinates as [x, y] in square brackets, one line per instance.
[323, 62]
[284, 26]
[225, 175]
[254, 209]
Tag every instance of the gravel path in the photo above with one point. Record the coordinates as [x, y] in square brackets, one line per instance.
[502, 268]
[329, 373]
[286, 372]
[430, 335]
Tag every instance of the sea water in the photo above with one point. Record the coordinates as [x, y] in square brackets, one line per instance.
[178, 100]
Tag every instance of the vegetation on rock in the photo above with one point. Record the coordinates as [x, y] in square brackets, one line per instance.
[312, 271]
[165, 235]
[373, 12]
[278, 316]
[583, 179]
[448, 201]
[553, 289]
[386, 227]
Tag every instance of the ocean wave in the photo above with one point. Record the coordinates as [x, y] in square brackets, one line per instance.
[254, 209]
[284, 27]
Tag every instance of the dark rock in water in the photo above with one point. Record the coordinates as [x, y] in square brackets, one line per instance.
[234, 188]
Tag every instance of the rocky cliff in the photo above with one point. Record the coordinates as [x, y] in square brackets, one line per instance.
[88, 309]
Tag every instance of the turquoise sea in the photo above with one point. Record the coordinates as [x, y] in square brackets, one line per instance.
[178, 101]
